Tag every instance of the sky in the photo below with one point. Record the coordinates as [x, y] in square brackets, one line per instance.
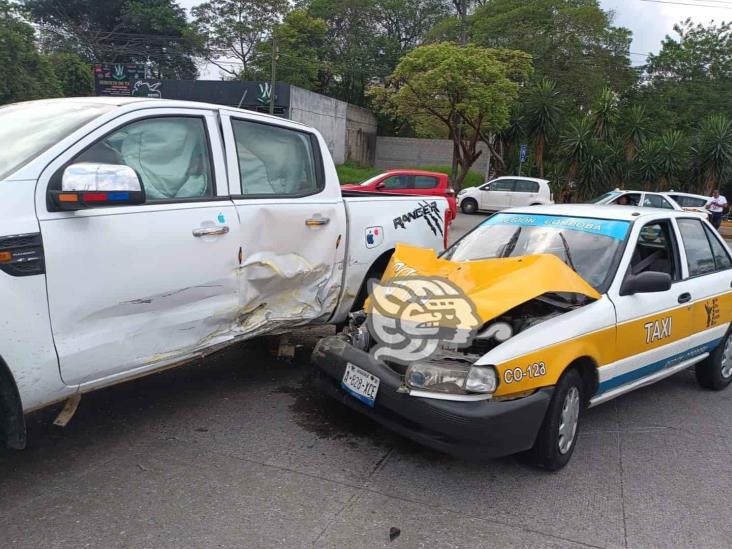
[650, 21]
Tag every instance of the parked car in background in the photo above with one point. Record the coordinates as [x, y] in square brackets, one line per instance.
[505, 192]
[637, 198]
[690, 202]
[410, 182]
[667, 200]
[140, 234]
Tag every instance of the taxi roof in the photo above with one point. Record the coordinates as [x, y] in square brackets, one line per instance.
[614, 212]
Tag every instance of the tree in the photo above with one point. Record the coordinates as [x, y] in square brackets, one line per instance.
[690, 77]
[633, 129]
[154, 32]
[469, 90]
[576, 143]
[73, 74]
[24, 72]
[542, 114]
[712, 152]
[646, 163]
[673, 155]
[572, 42]
[605, 114]
[232, 29]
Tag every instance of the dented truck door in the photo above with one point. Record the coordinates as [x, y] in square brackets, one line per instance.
[133, 287]
[293, 222]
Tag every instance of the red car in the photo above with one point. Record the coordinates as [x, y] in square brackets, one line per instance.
[409, 182]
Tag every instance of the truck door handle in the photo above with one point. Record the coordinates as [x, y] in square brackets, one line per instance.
[210, 231]
[317, 221]
[683, 298]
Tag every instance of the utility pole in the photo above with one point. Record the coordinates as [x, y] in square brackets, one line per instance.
[461, 6]
[273, 83]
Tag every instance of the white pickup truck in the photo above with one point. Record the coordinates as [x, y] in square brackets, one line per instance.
[138, 234]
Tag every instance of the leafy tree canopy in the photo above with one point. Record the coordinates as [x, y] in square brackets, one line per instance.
[573, 43]
[24, 72]
[120, 31]
[462, 88]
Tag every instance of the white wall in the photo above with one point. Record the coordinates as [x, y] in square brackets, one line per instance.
[325, 114]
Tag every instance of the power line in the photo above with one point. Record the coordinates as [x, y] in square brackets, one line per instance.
[724, 7]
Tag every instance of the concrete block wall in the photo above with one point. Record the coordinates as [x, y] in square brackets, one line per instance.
[407, 152]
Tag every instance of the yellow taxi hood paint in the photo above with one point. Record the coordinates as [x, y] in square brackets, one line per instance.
[494, 285]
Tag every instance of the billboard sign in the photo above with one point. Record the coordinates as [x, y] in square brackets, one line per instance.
[117, 79]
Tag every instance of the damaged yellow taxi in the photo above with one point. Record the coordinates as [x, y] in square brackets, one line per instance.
[498, 345]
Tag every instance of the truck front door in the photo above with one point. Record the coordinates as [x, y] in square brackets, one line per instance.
[293, 226]
[132, 287]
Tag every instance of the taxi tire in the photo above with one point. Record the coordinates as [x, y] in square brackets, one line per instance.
[469, 206]
[545, 452]
[709, 371]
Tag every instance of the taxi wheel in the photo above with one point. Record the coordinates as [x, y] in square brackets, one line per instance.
[558, 434]
[715, 371]
[469, 206]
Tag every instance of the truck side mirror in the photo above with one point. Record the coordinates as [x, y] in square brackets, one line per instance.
[90, 185]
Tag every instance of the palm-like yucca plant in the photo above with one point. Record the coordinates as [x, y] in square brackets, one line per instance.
[605, 114]
[712, 152]
[672, 158]
[596, 169]
[541, 114]
[634, 129]
[575, 144]
[646, 165]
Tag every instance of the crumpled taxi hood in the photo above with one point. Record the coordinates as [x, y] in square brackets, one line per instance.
[494, 285]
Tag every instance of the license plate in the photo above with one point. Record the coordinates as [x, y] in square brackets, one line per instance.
[360, 384]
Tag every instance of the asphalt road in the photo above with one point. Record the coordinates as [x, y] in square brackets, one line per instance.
[241, 451]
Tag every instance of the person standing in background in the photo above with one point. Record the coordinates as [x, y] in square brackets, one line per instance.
[717, 205]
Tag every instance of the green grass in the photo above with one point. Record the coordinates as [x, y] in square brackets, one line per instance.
[351, 173]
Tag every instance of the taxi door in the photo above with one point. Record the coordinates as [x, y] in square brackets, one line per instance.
[653, 329]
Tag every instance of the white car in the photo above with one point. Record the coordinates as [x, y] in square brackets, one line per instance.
[667, 200]
[138, 234]
[690, 202]
[505, 192]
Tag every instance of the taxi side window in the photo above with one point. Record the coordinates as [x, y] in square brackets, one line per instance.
[655, 251]
[699, 256]
[721, 256]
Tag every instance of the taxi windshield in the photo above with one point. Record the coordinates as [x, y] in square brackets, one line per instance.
[587, 245]
[605, 197]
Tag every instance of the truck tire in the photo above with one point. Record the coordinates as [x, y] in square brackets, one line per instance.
[469, 206]
[715, 371]
[558, 434]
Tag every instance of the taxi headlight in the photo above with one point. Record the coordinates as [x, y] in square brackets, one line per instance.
[481, 379]
[454, 378]
[462, 192]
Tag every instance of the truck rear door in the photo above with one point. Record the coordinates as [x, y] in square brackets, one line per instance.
[293, 222]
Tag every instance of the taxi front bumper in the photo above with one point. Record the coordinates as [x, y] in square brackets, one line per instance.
[471, 430]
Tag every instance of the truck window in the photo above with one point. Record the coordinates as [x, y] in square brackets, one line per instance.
[171, 155]
[274, 161]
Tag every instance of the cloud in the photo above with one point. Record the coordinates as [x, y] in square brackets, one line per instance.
[651, 21]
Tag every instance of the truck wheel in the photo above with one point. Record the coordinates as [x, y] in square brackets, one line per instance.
[469, 206]
[558, 434]
[715, 371]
